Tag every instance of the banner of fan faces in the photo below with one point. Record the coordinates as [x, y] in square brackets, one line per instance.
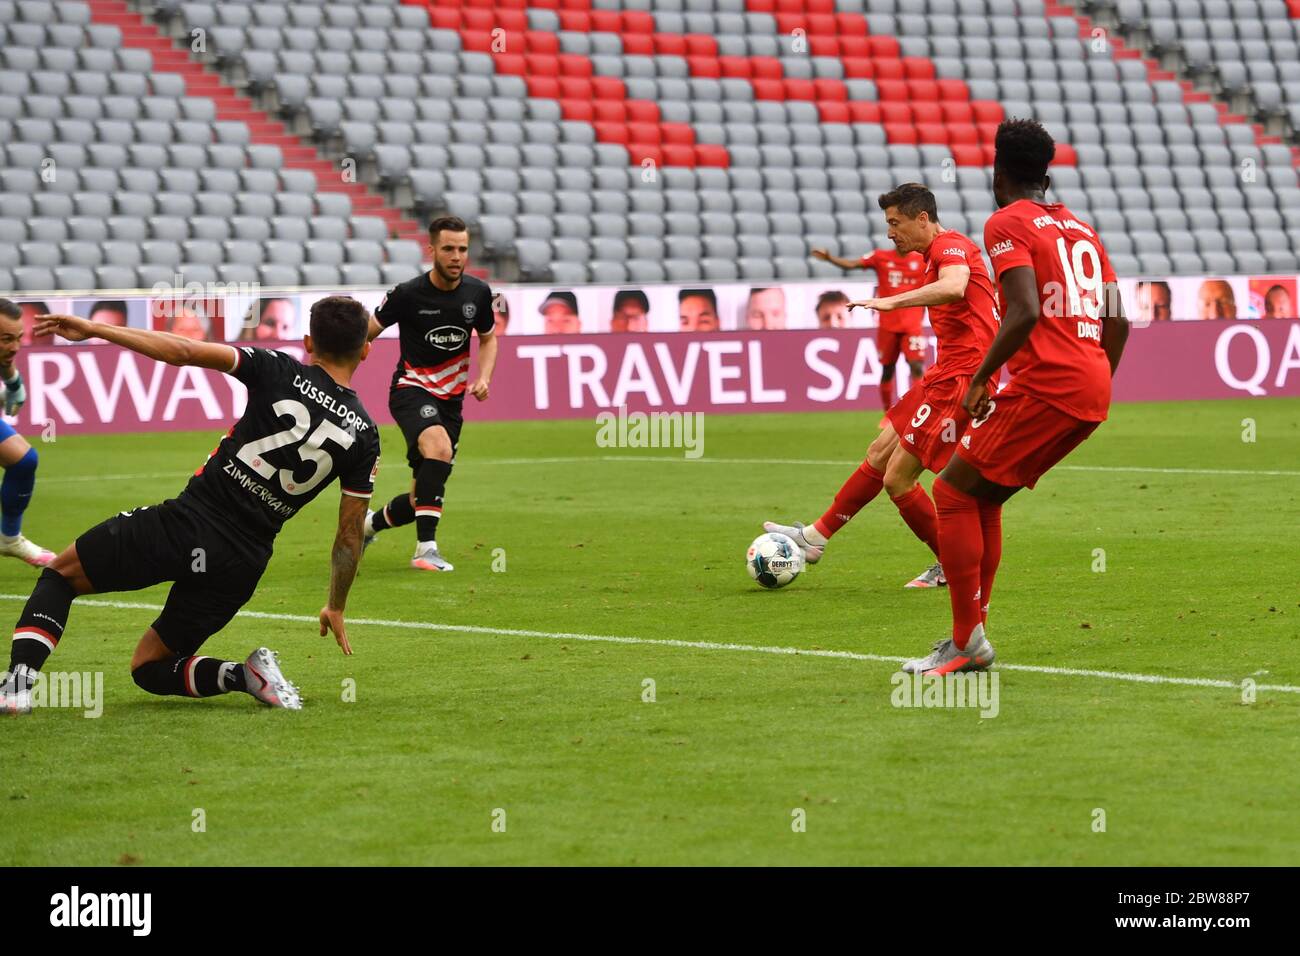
[792, 347]
[249, 314]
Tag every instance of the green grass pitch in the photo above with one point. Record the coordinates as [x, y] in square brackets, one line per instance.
[449, 726]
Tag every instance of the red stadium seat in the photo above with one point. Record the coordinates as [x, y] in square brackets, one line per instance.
[767, 68]
[541, 64]
[824, 46]
[821, 25]
[609, 111]
[886, 47]
[677, 155]
[477, 19]
[612, 132]
[760, 6]
[891, 89]
[833, 112]
[701, 44]
[638, 21]
[516, 21]
[608, 88]
[819, 6]
[544, 87]
[831, 90]
[705, 67]
[676, 134]
[901, 133]
[576, 20]
[538, 41]
[579, 111]
[640, 152]
[887, 68]
[511, 64]
[953, 90]
[963, 134]
[918, 68]
[923, 91]
[789, 6]
[768, 89]
[895, 111]
[968, 155]
[476, 41]
[957, 112]
[712, 155]
[444, 19]
[1065, 155]
[932, 133]
[638, 44]
[572, 87]
[649, 133]
[800, 90]
[669, 44]
[642, 111]
[575, 4]
[572, 64]
[859, 68]
[987, 111]
[851, 24]
[738, 67]
[864, 111]
[855, 46]
[606, 21]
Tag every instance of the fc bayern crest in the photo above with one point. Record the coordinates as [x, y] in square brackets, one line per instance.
[469, 310]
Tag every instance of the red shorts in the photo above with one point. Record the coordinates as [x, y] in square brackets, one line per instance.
[1021, 439]
[930, 421]
[890, 344]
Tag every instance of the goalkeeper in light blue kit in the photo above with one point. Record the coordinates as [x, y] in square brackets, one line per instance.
[16, 456]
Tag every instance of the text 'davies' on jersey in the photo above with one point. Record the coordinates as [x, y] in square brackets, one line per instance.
[965, 328]
[1063, 362]
[897, 273]
[300, 431]
[434, 329]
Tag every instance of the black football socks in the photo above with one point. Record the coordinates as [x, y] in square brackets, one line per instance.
[190, 677]
[430, 483]
[42, 622]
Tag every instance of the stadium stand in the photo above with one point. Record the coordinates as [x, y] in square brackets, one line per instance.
[625, 140]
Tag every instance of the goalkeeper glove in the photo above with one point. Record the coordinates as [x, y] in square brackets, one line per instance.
[15, 394]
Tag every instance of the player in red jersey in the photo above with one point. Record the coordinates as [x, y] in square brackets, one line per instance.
[922, 430]
[1061, 339]
[900, 330]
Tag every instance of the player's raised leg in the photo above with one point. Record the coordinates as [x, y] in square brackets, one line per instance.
[854, 495]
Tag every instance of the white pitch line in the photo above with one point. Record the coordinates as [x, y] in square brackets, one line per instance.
[700, 646]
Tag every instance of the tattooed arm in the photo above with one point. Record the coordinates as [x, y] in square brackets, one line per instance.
[343, 567]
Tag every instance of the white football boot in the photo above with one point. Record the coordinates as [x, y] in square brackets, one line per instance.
[812, 553]
[265, 681]
[931, 577]
[427, 558]
[16, 690]
[369, 533]
[24, 550]
[947, 659]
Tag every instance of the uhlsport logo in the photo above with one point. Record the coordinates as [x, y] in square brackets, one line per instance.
[78, 909]
[446, 337]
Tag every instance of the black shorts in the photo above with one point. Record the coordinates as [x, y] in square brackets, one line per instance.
[140, 548]
[414, 410]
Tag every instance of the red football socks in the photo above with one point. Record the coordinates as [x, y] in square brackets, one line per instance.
[961, 551]
[991, 526]
[863, 485]
[886, 393]
[918, 511]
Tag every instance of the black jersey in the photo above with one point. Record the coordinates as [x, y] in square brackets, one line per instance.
[434, 329]
[301, 430]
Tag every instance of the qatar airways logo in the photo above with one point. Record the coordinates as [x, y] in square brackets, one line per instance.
[1000, 247]
[955, 251]
[446, 337]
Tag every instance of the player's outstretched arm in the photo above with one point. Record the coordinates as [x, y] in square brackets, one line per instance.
[343, 567]
[375, 328]
[488, 346]
[160, 346]
[948, 286]
[825, 256]
[1114, 325]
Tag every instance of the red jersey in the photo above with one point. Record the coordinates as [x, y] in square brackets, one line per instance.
[965, 328]
[897, 273]
[1063, 363]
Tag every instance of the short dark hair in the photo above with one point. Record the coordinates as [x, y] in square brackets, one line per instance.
[833, 297]
[108, 305]
[446, 224]
[10, 309]
[631, 295]
[701, 293]
[1153, 284]
[911, 199]
[339, 325]
[1023, 150]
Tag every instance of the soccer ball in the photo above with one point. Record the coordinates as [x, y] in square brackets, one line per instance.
[774, 560]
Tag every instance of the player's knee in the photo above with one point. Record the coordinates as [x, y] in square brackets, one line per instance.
[26, 464]
[897, 485]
